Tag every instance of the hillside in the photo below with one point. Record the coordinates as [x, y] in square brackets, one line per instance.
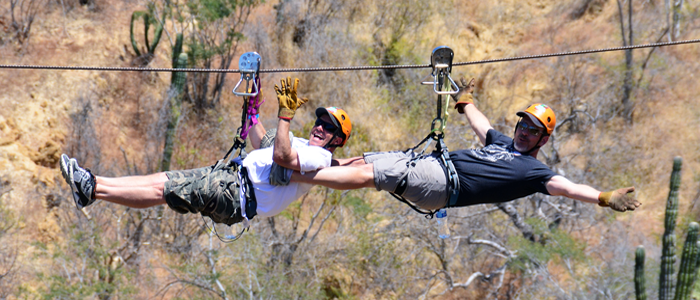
[350, 245]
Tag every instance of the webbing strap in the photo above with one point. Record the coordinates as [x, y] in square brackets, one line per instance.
[452, 176]
[450, 173]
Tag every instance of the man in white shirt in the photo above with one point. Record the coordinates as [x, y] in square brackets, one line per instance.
[229, 192]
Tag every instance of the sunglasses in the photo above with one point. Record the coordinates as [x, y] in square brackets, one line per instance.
[533, 130]
[325, 125]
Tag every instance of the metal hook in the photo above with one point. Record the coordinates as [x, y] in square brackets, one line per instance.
[249, 66]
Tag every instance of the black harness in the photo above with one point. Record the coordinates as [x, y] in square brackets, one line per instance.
[447, 166]
[441, 61]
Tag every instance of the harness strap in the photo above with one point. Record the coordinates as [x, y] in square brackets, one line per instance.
[428, 214]
[251, 202]
[450, 173]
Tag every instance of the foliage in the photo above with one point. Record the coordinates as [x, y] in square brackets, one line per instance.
[22, 13]
[8, 261]
[554, 246]
[94, 272]
[668, 287]
[149, 18]
[217, 26]
[359, 244]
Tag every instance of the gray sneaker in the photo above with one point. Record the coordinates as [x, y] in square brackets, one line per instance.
[81, 181]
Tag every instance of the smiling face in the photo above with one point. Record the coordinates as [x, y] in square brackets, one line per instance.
[322, 132]
[527, 136]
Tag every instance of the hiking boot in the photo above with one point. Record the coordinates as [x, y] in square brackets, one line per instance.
[81, 181]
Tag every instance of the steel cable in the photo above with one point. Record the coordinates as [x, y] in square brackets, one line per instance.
[351, 68]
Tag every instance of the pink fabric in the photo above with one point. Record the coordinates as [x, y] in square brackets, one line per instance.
[254, 104]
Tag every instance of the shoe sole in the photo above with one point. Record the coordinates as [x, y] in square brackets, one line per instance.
[65, 161]
[67, 170]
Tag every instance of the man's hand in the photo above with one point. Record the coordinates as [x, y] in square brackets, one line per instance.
[464, 96]
[287, 97]
[619, 200]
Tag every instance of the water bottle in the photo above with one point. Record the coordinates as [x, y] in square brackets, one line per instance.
[441, 223]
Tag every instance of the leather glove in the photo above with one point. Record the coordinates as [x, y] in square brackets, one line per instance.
[287, 97]
[464, 96]
[619, 200]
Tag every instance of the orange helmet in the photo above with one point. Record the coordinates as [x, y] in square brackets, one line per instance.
[340, 119]
[542, 113]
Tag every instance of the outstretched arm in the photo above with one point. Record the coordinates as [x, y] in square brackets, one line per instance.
[560, 186]
[339, 178]
[353, 161]
[619, 200]
[465, 105]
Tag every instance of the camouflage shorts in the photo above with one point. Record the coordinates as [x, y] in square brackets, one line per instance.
[212, 191]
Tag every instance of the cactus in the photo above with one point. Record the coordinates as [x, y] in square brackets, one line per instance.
[639, 281]
[177, 49]
[148, 19]
[177, 85]
[690, 260]
[668, 252]
[686, 274]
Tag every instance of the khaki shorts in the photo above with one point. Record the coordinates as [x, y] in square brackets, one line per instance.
[212, 191]
[427, 183]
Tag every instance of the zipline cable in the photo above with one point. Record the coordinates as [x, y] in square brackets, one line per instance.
[355, 68]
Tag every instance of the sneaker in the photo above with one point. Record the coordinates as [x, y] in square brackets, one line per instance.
[81, 181]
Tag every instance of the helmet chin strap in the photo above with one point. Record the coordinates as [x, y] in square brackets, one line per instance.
[330, 144]
[535, 147]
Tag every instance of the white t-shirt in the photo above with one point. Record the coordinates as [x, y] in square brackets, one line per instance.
[274, 199]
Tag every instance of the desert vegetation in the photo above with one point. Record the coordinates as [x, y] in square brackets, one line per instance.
[622, 118]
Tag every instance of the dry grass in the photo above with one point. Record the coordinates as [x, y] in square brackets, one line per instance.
[37, 104]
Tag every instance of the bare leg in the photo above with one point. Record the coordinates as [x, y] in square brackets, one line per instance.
[339, 178]
[132, 191]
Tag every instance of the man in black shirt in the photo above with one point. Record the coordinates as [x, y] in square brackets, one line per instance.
[503, 170]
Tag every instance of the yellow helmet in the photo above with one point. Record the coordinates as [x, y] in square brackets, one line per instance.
[340, 119]
[542, 113]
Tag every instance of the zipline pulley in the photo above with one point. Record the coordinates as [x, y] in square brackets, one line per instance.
[441, 62]
[249, 66]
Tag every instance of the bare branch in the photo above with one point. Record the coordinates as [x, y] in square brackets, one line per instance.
[470, 280]
[517, 220]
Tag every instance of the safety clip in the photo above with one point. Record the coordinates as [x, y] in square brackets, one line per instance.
[249, 66]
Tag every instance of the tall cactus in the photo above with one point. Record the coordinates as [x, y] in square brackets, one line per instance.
[175, 95]
[640, 289]
[668, 253]
[686, 274]
[690, 260]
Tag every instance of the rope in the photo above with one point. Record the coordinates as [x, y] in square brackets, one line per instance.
[355, 68]
[487, 61]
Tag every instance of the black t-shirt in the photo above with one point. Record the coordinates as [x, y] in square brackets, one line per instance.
[497, 172]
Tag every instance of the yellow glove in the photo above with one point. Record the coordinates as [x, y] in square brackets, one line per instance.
[619, 200]
[464, 97]
[287, 97]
